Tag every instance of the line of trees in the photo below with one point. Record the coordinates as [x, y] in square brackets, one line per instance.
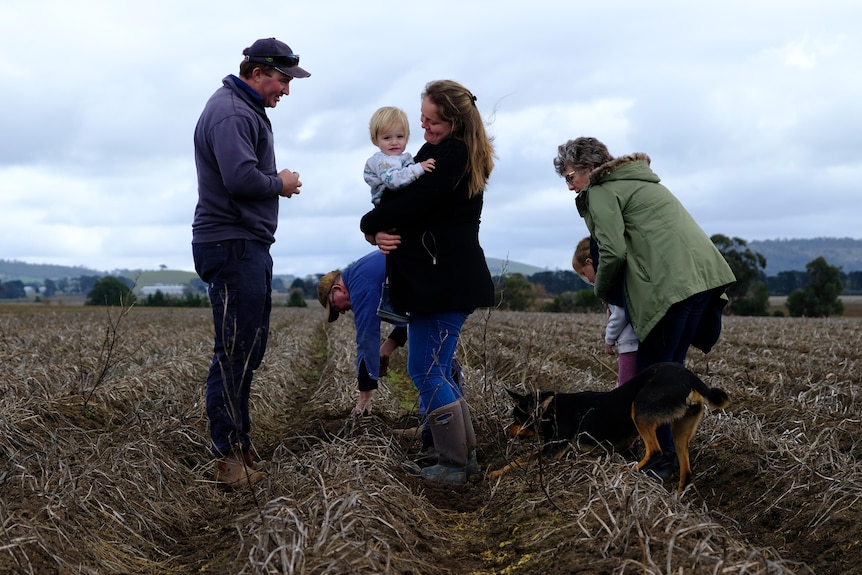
[113, 291]
[813, 293]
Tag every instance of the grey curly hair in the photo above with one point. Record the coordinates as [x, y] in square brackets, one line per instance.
[581, 153]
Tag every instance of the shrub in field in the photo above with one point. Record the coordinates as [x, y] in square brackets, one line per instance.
[297, 298]
[820, 296]
[110, 291]
[748, 296]
[515, 293]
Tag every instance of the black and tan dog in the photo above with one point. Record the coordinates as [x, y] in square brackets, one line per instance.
[662, 393]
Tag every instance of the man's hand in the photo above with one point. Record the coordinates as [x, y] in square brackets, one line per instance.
[290, 183]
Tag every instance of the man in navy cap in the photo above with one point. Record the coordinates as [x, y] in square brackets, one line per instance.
[239, 187]
[357, 288]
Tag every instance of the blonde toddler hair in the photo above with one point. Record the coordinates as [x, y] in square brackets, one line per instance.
[386, 118]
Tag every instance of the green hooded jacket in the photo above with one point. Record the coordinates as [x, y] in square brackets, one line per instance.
[647, 241]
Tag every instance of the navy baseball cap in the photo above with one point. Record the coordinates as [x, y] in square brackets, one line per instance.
[277, 54]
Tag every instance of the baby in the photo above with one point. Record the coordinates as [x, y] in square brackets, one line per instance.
[391, 168]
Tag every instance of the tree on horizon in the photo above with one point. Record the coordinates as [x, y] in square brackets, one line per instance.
[820, 297]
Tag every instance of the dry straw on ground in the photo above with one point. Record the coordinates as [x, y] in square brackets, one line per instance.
[104, 466]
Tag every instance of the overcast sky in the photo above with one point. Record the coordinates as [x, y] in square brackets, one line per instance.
[749, 110]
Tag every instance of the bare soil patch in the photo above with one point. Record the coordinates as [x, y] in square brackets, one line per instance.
[104, 463]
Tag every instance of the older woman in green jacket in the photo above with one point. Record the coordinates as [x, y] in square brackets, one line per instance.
[671, 273]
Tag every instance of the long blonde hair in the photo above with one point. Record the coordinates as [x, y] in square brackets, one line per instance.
[457, 105]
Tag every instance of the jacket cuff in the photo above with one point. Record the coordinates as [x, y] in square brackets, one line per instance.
[399, 335]
[364, 380]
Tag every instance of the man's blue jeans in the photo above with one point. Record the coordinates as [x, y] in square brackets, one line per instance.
[239, 274]
[431, 344]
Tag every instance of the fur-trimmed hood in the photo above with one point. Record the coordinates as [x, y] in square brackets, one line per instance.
[599, 173]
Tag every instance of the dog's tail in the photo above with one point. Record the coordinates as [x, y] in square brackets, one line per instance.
[714, 396]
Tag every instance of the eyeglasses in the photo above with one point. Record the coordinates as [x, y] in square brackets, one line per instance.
[570, 177]
[289, 61]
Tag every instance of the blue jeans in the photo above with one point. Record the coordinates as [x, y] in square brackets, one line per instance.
[239, 274]
[431, 344]
[669, 340]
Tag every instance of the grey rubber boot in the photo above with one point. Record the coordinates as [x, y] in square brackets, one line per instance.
[470, 434]
[450, 439]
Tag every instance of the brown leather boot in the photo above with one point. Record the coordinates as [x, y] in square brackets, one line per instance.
[249, 461]
[233, 472]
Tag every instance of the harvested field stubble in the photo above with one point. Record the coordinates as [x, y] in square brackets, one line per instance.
[104, 464]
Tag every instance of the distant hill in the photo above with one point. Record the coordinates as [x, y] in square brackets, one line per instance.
[22, 271]
[794, 255]
[498, 267]
[160, 277]
[781, 255]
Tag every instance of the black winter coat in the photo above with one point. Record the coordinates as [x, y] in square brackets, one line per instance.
[439, 265]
